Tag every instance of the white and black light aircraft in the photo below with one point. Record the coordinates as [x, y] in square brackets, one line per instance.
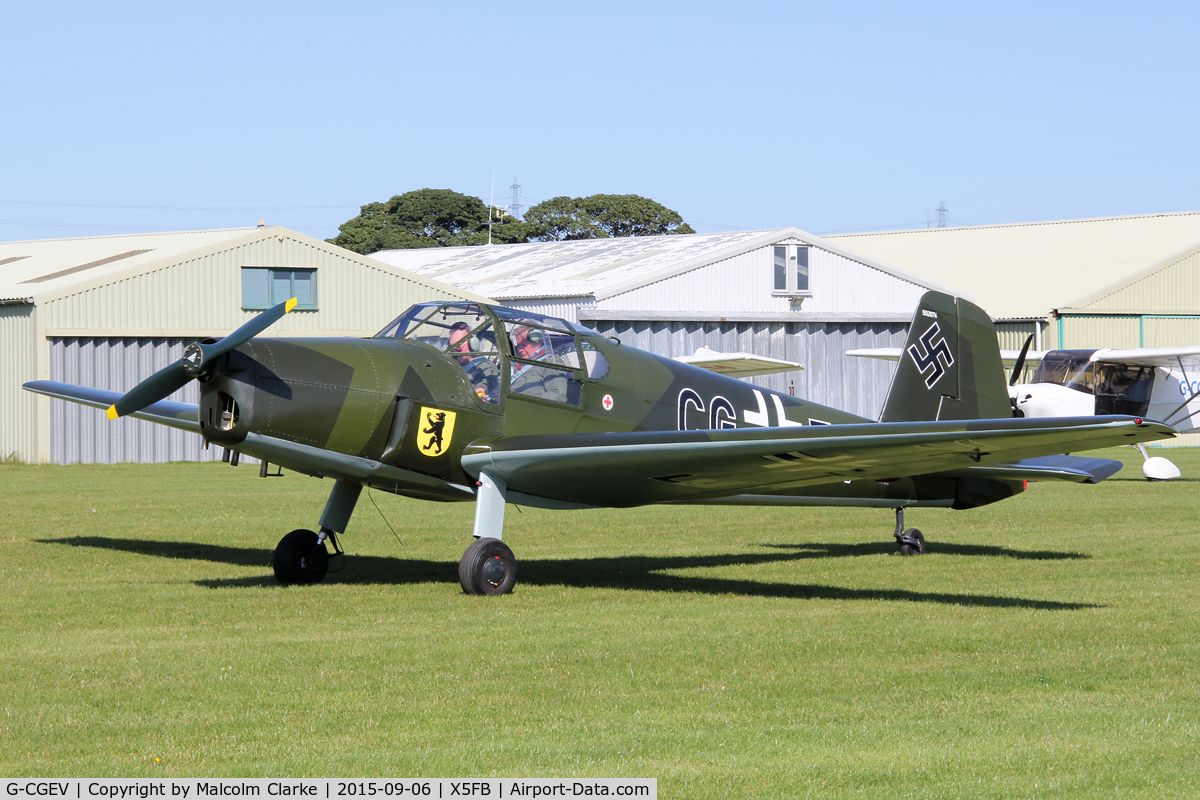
[1160, 383]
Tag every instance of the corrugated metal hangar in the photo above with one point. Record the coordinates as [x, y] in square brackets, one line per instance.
[784, 294]
[108, 311]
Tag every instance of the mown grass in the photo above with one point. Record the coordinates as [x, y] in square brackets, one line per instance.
[1044, 647]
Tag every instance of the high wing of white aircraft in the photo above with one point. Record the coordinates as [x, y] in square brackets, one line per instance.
[1161, 383]
[738, 365]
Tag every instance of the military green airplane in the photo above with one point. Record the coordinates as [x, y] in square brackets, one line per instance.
[460, 401]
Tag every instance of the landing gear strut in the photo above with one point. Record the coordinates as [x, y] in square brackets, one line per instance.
[911, 541]
[488, 566]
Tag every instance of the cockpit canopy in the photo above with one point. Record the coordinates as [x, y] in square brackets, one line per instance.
[1119, 388]
[544, 353]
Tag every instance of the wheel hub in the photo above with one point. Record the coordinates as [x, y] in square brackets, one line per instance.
[495, 571]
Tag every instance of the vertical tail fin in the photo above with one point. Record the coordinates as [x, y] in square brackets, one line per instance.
[950, 367]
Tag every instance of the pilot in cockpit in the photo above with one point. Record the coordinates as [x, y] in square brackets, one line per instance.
[482, 371]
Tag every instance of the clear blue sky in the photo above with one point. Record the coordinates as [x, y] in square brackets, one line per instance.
[123, 117]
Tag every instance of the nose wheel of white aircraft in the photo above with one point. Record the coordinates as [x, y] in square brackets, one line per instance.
[488, 567]
[911, 541]
[300, 558]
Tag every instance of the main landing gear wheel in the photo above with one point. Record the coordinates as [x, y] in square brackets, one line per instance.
[300, 559]
[488, 567]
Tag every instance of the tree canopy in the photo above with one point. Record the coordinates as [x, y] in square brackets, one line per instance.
[602, 216]
[425, 218]
[445, 218]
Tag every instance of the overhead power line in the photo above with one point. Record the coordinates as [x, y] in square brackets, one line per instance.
[177, 208]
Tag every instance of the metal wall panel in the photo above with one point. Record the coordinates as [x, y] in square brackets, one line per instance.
[1012, 335]
[1171, 332]
[829, 377]
[81, 434]
[18, 408]
[1079, 333]
[1174, 288]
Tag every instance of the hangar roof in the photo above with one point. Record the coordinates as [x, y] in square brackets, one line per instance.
[600, 268]
[1025, 270]
[50, 267]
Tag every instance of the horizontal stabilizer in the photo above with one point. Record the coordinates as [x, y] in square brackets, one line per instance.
[185, 416]
[1009, 357]
[1075, 469]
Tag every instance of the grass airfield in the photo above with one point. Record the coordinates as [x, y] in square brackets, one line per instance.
[1046, 646]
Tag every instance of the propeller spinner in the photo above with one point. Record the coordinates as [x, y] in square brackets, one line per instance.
[196, 359]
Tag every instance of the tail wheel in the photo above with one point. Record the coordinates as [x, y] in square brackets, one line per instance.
[912, 543]
[487, 567]
[300, 559]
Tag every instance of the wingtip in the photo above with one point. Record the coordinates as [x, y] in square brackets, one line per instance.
[111, 413]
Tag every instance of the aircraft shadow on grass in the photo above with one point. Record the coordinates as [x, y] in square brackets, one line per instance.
[642, 573]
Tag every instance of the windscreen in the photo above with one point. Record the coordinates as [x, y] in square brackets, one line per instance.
[1071, 368]
[400, 325]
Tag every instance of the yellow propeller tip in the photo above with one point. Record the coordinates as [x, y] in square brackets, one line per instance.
[291, 304]
[112, 412]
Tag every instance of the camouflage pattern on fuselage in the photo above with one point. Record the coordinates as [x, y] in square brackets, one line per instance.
[372, 399]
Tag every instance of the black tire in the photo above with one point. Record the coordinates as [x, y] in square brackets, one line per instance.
[915, 544]
[299, 559]
[487, 567]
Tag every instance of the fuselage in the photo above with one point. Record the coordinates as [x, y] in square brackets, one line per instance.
[414, 397]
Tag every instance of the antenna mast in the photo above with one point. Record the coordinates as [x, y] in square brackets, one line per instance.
[515, 207]
[491, 199]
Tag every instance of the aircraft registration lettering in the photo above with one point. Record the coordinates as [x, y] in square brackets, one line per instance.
[722, 413]
[1186, 388]
[436, 431]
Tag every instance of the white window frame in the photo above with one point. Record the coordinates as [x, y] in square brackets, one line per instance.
[791, 254]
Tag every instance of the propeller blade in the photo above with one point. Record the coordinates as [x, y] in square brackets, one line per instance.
[162, 383]
[1020, 365]
[158, 386]
[239, 337]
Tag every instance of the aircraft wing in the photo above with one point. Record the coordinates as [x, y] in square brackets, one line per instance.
[627, 469]
[738, 365]
[1166, 357]
[185, 416]
[1009, 357]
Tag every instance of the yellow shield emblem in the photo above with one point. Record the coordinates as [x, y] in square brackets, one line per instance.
[436, 431]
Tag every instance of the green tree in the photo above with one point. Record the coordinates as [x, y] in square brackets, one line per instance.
[602, 216]
[426, 218]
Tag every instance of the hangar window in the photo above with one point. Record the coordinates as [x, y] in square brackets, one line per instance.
[263, 287]
[791, 274]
